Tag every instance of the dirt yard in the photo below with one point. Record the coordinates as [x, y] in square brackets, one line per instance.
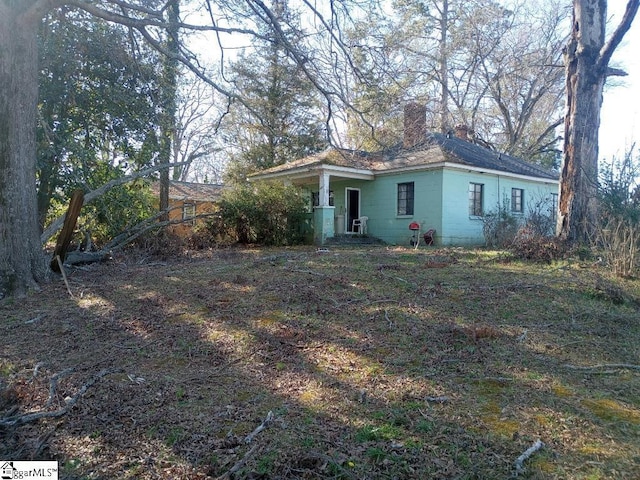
[346, 363]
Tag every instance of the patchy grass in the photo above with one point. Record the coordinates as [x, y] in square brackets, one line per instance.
[376, 363]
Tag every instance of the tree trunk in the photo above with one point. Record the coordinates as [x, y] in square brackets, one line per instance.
[444, 67]
[168, 104]
[585, 79]
[587, 66]
[22, 262]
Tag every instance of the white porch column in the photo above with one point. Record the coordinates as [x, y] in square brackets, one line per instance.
[324, 188]
[323, 214]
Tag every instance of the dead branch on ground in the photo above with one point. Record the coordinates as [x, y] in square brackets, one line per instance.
[269, 418]
[310, 272]
[519, 463]
[248, 439]
[602, 366]
[238, 465]
[126, 237]
[53, 383]
[64, 275]
[15, 420]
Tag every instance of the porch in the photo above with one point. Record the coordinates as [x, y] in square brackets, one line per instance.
[329, 218]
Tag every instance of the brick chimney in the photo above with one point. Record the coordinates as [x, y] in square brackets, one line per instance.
[462, 131]
[415, 124]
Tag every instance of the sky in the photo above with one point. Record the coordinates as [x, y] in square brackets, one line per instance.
[620, 115]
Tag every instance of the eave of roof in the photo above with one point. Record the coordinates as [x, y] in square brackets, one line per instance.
[314, 170]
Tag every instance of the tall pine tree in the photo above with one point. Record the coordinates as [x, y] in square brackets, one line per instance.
[279, 119]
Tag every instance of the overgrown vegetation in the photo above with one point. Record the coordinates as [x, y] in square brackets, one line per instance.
[617, 236]
[374, 363]
[615, 239]
[500, 226]
[529, 237]
[530, 245]
[265, 213]
[115, 212]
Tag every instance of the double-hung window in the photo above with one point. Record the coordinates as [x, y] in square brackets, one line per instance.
[476, 191]
[517, 200]
[405, 198]
[188, 211]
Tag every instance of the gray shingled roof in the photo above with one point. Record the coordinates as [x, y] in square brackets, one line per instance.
[436, 148]
[478, 156]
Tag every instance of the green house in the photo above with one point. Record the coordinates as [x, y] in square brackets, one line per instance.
[433, 181]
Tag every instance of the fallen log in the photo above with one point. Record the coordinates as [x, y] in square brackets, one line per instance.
[83, 258]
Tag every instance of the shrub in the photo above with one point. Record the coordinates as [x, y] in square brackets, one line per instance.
[619, 239]
[527, 238]
[499, 227]
[265, 213]
[161, 243]
[200, 238]
[540, 217]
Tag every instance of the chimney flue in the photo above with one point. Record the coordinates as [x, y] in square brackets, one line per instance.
[415, 124]
[462, 131]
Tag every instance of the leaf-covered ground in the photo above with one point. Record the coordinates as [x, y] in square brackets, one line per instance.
[375, 363]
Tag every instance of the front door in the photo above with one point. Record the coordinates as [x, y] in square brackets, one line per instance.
[353, 207]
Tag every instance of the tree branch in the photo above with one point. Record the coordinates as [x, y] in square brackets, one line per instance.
[32, 417]
[182, 58]
[607, 50]
[519, 463]
[627, 366]
[143, 227]
[615, 72]
[268, 419]
[58, 222]
[152, 19]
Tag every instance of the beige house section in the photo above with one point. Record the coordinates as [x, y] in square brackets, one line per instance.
[188, 201]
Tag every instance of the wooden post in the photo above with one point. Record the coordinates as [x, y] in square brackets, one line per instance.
[62, 245]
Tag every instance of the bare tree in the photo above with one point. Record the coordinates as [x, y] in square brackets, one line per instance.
[523, 80]
[587, 58]
[472, 62]
[198, 117]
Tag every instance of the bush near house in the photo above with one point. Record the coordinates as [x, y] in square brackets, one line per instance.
[499, 227]
[527, 238]
[266, 214]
